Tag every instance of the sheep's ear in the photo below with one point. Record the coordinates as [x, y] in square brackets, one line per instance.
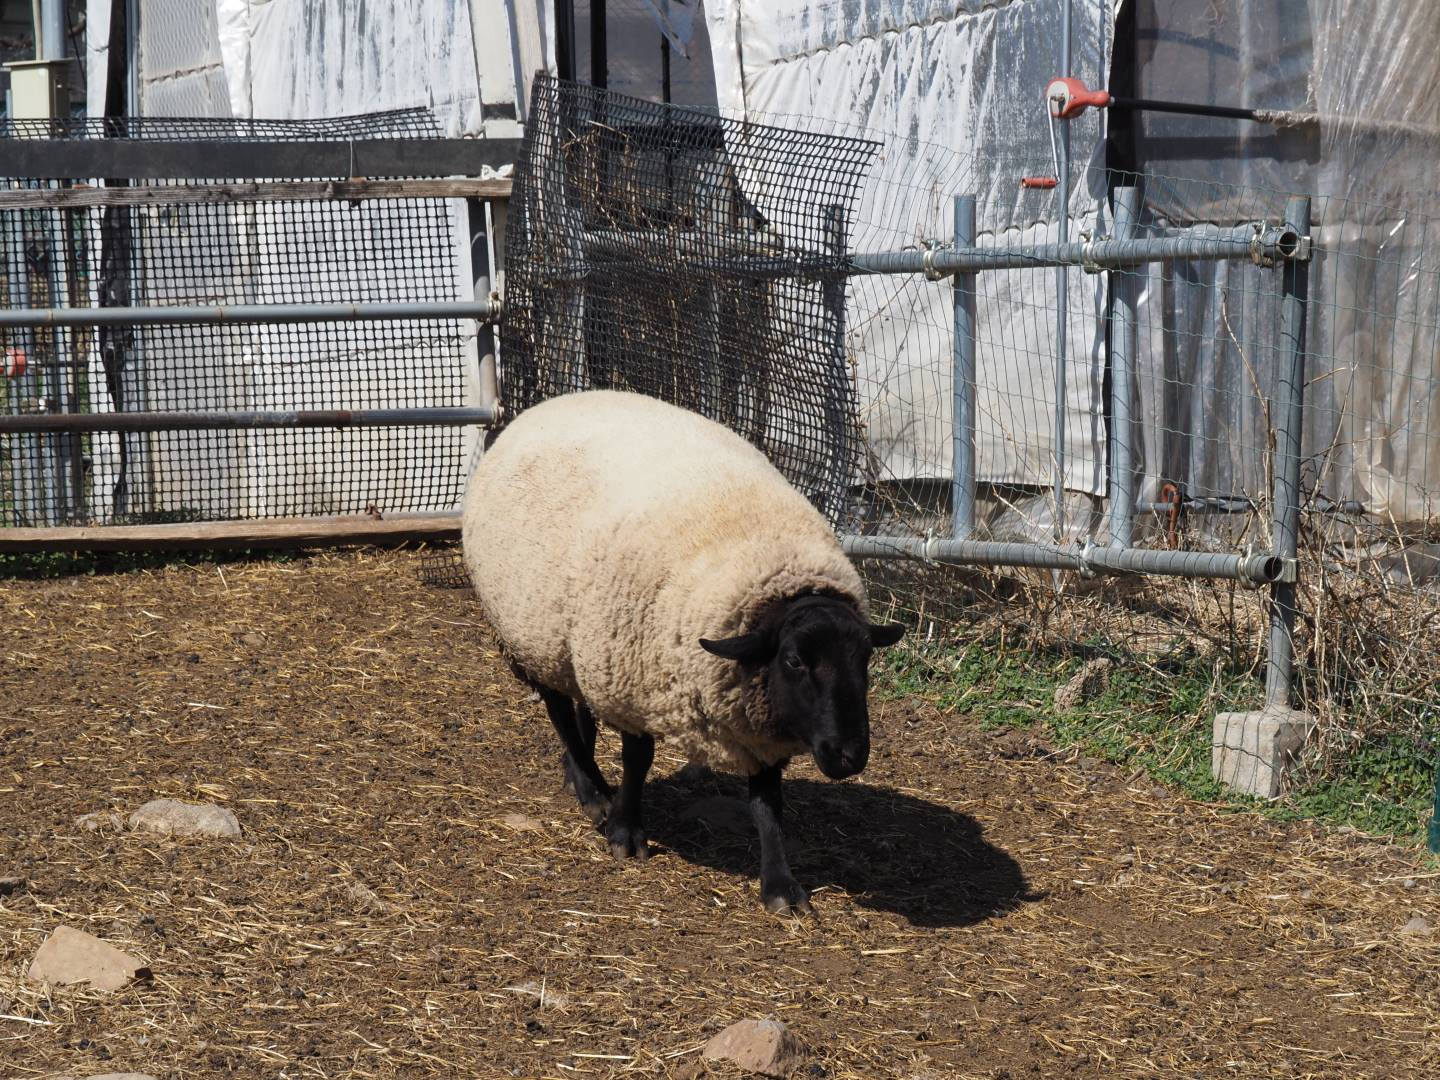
[882, 634]
[747, 648]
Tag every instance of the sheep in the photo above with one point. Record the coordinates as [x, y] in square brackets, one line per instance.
[647, 568]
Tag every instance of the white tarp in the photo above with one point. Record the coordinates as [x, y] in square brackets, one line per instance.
[955, 93]
[1372, 430]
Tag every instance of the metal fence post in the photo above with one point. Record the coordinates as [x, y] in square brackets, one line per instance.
[1287, 413]
[1123, 347]
[1433, 841]
[1062, 286]
[962, 390]
[837, 396]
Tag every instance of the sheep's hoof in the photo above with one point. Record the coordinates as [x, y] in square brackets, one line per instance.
[597, 809]
[786, 897]
[627, 843]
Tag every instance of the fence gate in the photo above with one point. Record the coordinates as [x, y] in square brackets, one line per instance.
[250, 327]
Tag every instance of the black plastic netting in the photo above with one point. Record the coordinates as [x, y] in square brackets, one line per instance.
[206, 253]
[391, 124]
[693, 258]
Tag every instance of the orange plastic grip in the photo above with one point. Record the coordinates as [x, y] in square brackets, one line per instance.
[1068, 98]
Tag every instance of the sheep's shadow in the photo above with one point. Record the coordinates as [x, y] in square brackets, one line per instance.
[891, 851]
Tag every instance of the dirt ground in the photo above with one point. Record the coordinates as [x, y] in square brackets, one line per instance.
[415, 894]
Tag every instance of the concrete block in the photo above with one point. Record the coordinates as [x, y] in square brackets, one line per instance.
[1250, 752]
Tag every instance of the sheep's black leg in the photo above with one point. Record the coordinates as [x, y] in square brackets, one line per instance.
[589, 783]
[625, 829]
[585, 724]
[779, 891]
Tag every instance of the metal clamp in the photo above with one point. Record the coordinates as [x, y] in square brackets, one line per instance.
[1249, 584]
[1087, 259]
[1257, 247]
[928, 263]
[927, 550]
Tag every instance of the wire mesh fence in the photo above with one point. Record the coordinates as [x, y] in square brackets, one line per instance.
[1207, 372]
[215, 253]
[692, 258]
[714, 263]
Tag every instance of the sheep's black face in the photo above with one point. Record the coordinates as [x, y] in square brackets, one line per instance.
[816, 652]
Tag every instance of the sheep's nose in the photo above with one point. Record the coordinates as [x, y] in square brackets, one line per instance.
[838, 760]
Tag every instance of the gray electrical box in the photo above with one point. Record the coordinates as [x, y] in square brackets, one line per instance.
[39, 89]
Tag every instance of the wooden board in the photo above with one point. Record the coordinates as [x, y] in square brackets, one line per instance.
[213, 535]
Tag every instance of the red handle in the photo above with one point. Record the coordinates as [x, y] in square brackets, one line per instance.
[1038, 181]
[1068, 98]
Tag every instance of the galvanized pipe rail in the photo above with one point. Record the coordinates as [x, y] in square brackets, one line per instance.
[1255, 569]
[1287, 243]
[1263, 244]
[481, 310]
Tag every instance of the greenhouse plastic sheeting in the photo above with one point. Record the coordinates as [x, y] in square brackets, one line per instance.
[1367, 71]
[955, 91]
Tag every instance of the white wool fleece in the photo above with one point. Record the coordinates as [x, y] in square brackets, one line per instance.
[607, 532]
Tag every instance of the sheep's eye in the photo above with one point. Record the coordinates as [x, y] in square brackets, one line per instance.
[794, 663]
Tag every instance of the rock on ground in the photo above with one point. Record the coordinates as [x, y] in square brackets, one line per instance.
[365, 898]
[1085, 684]
[763, 1046]
[11, 883]
[173, 818]
[523, 823]
[73, 956]
[101, 821]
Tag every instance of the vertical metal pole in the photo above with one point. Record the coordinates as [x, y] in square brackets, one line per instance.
[837, 394]
[52, 30]
[1287, 411]
[599, 46]
[16, 493]
[62, 376]
[565, 51]
[665, 59]
[962, 390]
[1061, 285]
[1433, 839]
[1123, 343]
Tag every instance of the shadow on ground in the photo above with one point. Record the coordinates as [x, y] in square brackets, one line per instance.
[892, 852]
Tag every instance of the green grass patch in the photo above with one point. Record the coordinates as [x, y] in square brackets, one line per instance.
[1156, 716]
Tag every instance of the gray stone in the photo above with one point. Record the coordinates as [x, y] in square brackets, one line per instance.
[73, 956]
[101, 821]
[173, 818]
[762, 1046]
[365, 899]
[1251, 752]
[1085, 684]
[1418, 925]
[523, 823]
